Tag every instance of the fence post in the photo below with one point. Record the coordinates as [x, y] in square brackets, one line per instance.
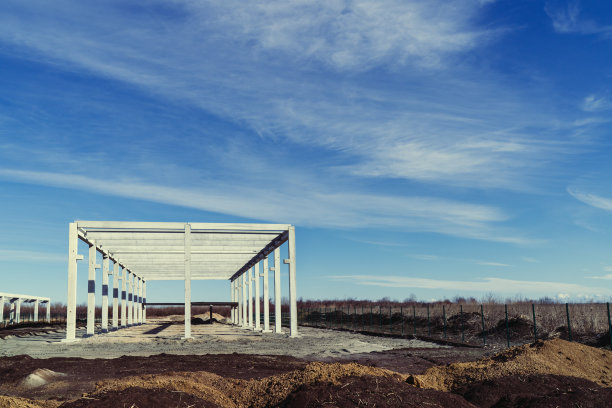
[484, 332]
[402, 313]
[428, 326]
[535, 328]
[507, 327]
[462, 323]
[414, 318]
[444, 317]
[609, 325]
[569, 324]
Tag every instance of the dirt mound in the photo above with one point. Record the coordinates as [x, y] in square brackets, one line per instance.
[543, 357]
[370, 391]
[230, 393]
[16, 402]
[537, 391]
[137, 397]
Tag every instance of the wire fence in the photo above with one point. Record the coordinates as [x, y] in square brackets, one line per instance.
[470, 324]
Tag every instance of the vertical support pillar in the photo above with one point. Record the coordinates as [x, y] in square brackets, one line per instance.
[244, 300]
[91, 291]
[257, 281]
[73, 256]
[266, 296]
[48, 311]
[124, 298]
[104, 293]
[231, 300]
[239, 299]
[277, 292]
[36, 303]
[130, 290]
[187, 281]
[144, 301]
[292, 285]
[115, 295]
[140, 305]
[136, 300]
[1, 309]
[18, 311]
[250, 298]
[12, 311]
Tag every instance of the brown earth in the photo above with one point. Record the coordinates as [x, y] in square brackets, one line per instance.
[545, 374]
[557, 357]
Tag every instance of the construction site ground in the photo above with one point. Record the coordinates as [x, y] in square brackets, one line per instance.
[227, 366]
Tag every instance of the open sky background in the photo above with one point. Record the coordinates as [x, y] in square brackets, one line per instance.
[435, 148]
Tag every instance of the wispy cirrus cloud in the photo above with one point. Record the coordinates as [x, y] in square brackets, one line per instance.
[315, 208]
[20, 255]
[595, 103]
[452, 129]
[484, 285]
[592, 199]
[567, 19]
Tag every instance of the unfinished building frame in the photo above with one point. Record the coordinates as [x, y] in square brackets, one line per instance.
[149, 251]
[16, 301]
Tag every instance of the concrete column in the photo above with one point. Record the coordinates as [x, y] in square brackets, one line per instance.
[140, 306]
[91, 291]
[130, 309]
[244, 300]
[73, 257]
[266, 296]
[124, 298]
[231, 300]
[12, 311]
[36, 302]
[18, 311]
[187, 281]
[256, 281]
[144, 301]
[250, 298]
[115, 295]
[239, 300]
[277, 292]
[104, 293]
[49, 311]
[1, 309]
[292, 285]
[136, 300]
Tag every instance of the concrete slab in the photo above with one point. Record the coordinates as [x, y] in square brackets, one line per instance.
[164, 336]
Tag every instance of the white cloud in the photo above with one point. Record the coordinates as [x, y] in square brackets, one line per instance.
[487, 263]
[259, 64]
[30, 256]
[594, 103]
[304, 207]
[568, 20]
[592, 199]
[605, 277]
[484, 285]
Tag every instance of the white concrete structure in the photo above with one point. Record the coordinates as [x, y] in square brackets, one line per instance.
[16, 301]
[149, 251]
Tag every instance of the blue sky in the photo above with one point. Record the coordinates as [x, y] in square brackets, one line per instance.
[435, 148]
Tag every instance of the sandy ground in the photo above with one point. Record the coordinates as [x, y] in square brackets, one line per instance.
[164, 336]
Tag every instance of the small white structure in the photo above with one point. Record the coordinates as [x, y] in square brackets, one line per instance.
[15, 309]
[149, 251]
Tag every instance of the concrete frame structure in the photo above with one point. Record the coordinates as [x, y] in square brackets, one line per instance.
[148, 251]
[15, 306]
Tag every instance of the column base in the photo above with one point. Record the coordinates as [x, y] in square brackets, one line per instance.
[87, 335]
[69, 340]
[266, 331]
[104, 331]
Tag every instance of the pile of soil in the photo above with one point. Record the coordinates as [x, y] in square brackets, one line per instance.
[557, 357]
[536, 391]
[369, 391]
